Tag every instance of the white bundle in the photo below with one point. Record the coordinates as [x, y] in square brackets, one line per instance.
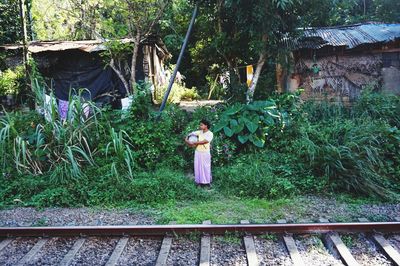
[192, 138]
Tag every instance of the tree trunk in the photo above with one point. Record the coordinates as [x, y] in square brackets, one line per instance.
[213, 87]
[365, 7]
[120, 75]
[260, 64]
[134, 57]
[220, 4]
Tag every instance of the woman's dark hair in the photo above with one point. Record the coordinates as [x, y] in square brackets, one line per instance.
[206, 122]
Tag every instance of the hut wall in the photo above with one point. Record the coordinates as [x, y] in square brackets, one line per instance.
[335, 77]
[12, 61]
[391, 72]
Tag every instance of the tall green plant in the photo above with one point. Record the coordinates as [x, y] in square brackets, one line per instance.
[252, 122]
[120, 146]
[52, 146]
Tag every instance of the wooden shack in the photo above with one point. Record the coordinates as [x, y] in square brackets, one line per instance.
[337, 63]
[69, 65]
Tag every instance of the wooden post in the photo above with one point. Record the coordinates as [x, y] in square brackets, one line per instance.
[22, 9]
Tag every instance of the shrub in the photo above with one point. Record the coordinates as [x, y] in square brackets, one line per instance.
[11, 81]
[378, 106]
[38, 146]
[353, 154]
[54, 197]
[178, 92]
[109, 158]
[190, 95]
[252, 122]
[164, 184]
[252, 176]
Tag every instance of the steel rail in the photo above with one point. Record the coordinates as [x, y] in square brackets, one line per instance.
[182, 229]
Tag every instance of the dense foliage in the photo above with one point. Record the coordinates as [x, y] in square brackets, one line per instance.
[228, 35]
[275, 146]
[115, 158]
[12, 81]
[10, 26]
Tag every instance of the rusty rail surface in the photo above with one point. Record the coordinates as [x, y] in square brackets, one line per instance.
[184, 229]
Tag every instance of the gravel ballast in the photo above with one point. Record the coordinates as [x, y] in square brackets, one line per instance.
[313, 252]
[271, 251]
[14, 251]
[394, 240]
[227, 251]
[70, 217]
[53, 251]
[184, 252]
[95, 251]
[365, 251]
[140, 252]
[311, 208]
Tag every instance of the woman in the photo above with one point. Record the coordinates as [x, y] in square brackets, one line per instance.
[202, 155]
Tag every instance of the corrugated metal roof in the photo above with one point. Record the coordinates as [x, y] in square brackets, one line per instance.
[346, 36]
[45, 46]
[86, 46]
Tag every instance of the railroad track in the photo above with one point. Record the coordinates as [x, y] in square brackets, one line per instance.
[322, 243]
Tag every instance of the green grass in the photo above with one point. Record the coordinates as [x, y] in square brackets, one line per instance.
[222, 210]
[230, 238]
[124, 161]
[270, 237]
[348, 240]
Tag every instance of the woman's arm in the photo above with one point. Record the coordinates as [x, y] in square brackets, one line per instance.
[200, 142]
[190, 144]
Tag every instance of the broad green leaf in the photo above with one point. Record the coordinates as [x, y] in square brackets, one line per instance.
[257, 141]
[238, 128]
[220, 125]
[228, 132]
[233, 123]
[261, 105]
[274, 113]
[253, 107]
[251, 126]
[243, 138]
[242, 120]
[233, 109]
[268, 120]
[256, 119]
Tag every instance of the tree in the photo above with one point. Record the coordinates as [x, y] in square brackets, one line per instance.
[10, 24]
[101, 19]
[248, 32]
[386, 10]
[228, 34]
[140, 17]
[52, 20]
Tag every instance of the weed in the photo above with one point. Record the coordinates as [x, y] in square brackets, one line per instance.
[232, 238]
[348, 240]
[378, 218]
[42, 221]
[270, 237]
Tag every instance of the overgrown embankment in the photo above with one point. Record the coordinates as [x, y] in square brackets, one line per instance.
[269, 149]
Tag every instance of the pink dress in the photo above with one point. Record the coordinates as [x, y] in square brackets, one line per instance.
[202, 158]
